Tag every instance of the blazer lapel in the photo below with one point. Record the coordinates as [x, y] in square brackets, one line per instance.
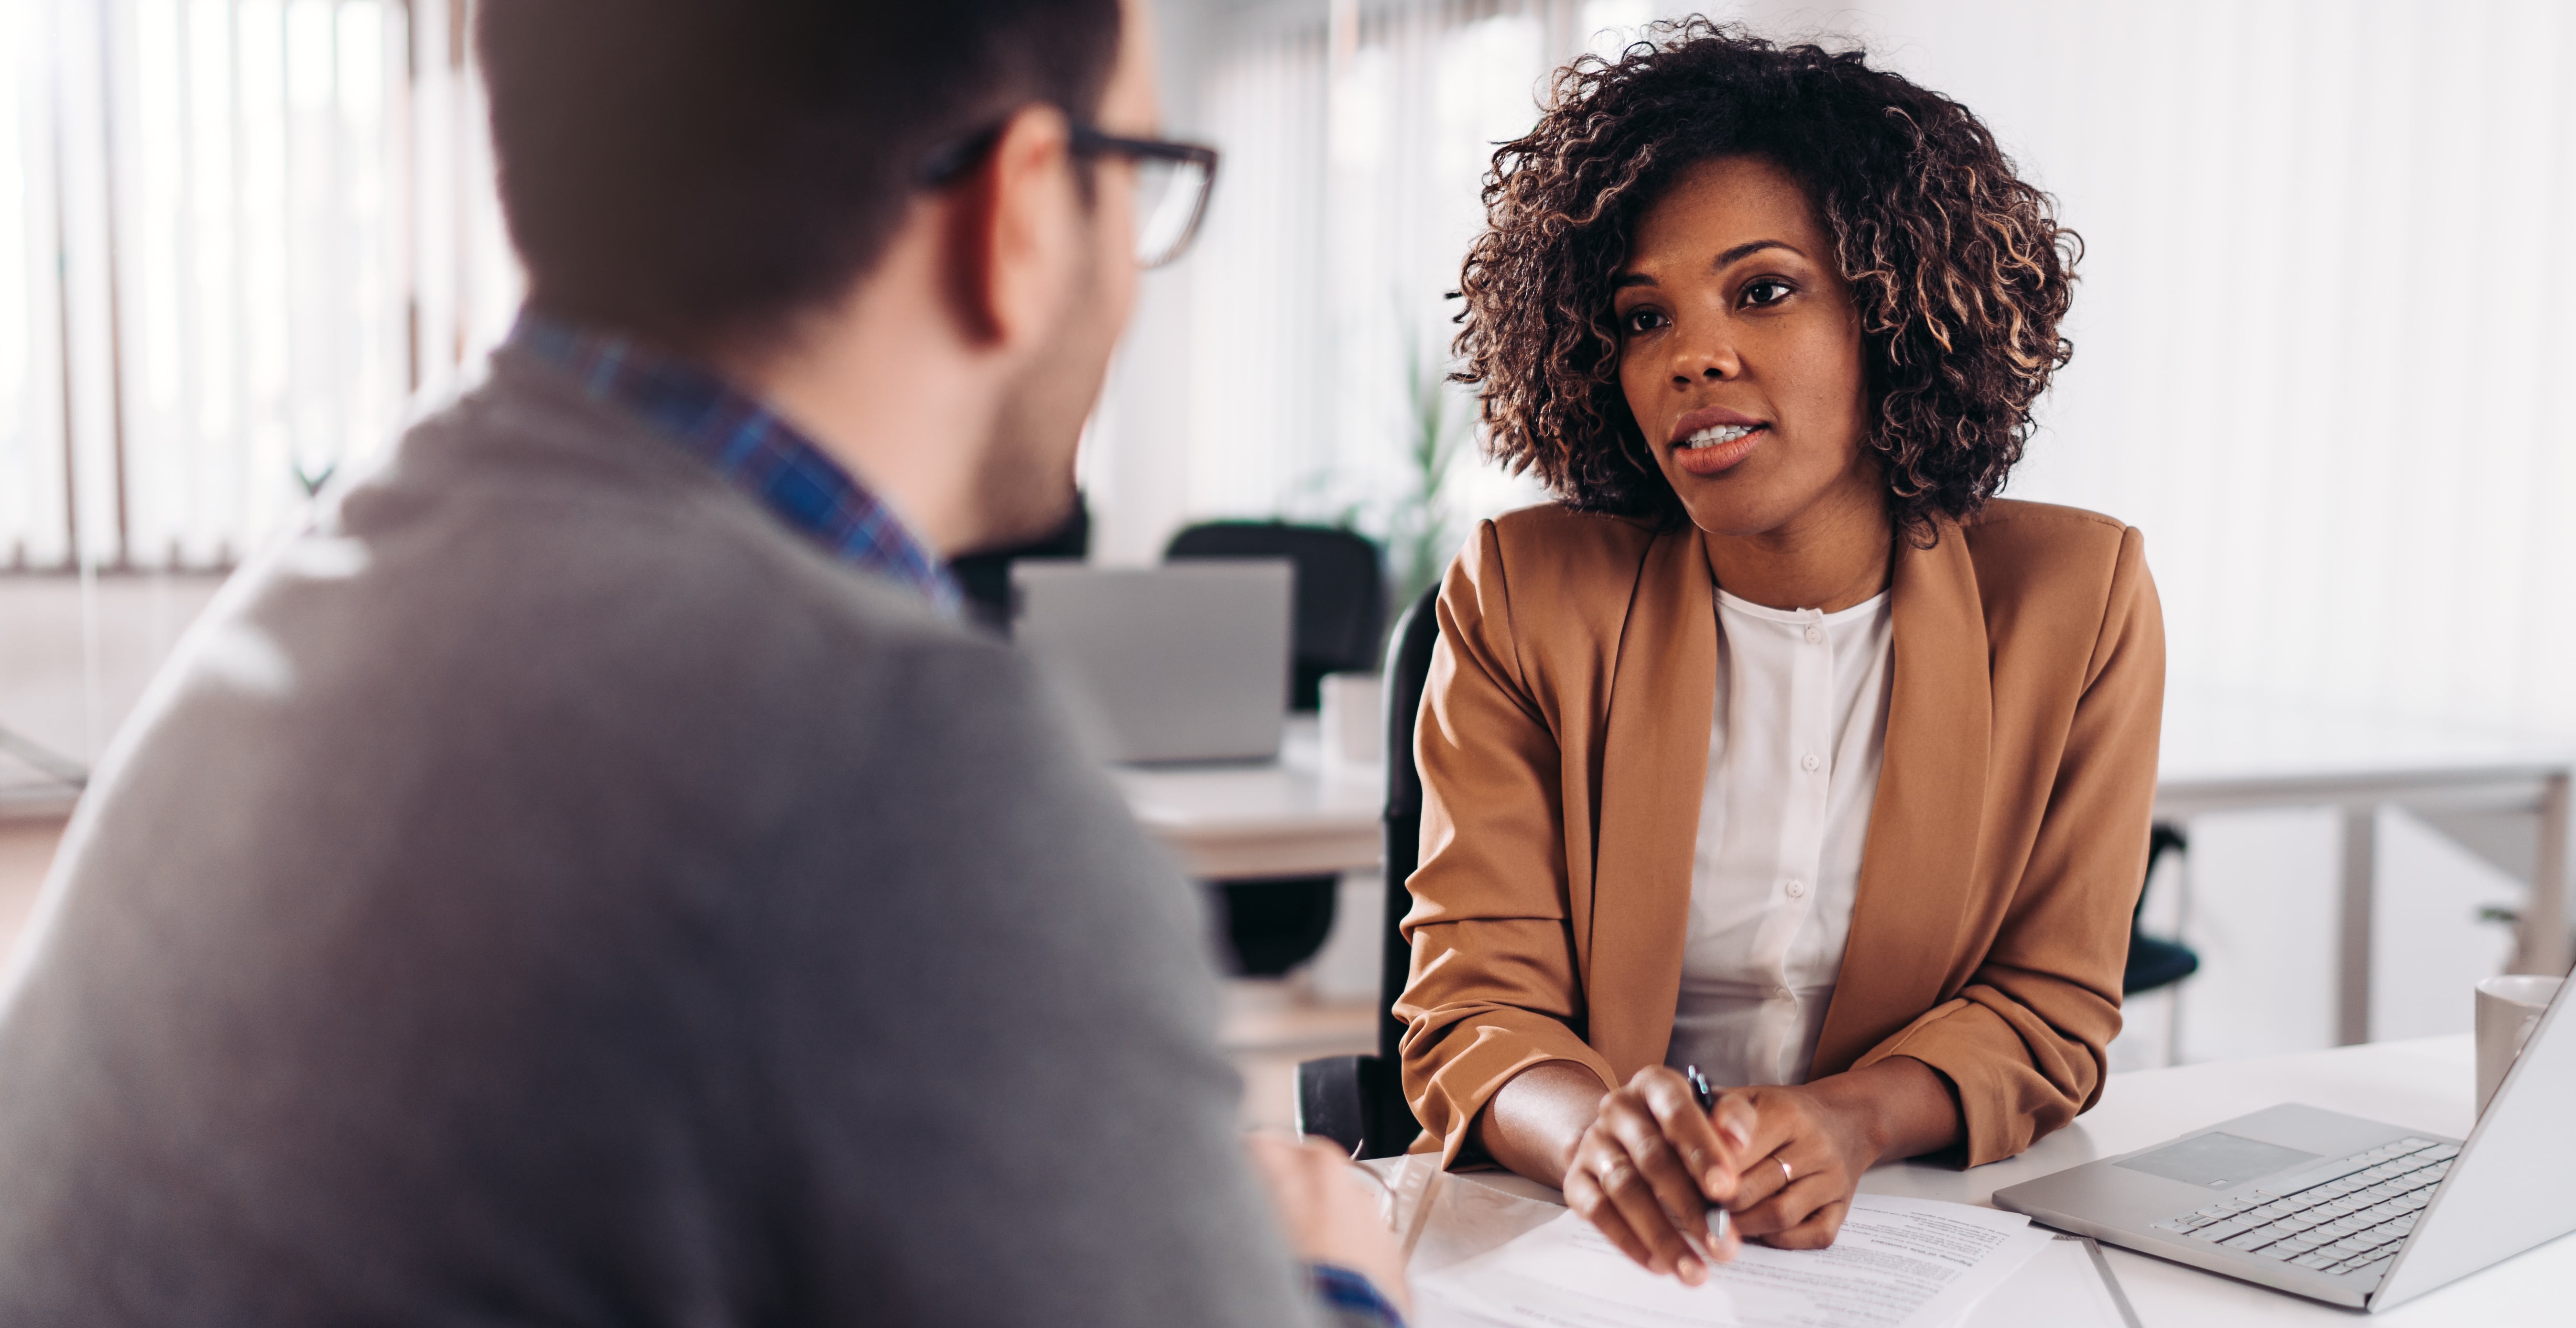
[1663, 694]
[1918, 862]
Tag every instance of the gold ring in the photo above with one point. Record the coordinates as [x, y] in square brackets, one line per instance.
[1785, 1176]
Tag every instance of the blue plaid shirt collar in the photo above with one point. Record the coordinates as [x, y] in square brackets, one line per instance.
[1352, 1297]
[747, 444]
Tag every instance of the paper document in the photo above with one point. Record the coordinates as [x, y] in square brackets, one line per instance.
[1899, 1263]
[2067, 1285]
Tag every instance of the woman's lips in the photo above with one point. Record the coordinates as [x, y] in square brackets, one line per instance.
[1709, 417]
[1717, 448]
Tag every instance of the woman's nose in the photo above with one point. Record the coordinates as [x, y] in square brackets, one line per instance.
[1708, 363]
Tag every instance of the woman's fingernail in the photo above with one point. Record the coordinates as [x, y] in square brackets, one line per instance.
[1692, 1270]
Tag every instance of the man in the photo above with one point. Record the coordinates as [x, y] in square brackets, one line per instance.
[589, 878]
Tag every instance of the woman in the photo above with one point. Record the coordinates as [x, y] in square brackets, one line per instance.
[1778, 747]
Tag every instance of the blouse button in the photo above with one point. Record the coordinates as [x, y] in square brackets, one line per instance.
[1796, 887]
[1809, 761]
[1815, 636]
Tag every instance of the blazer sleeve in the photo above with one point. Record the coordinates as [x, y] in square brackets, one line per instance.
[1494, 988]
[2023, 1042]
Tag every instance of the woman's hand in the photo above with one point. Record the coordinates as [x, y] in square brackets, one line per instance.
[1809, 1145]
[1327, 1215]
[1807, 1157]
[1649, 1166]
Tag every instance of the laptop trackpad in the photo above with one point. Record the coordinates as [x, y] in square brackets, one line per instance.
[2215, 1161]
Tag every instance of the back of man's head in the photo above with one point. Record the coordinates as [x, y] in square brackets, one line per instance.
[700, 172]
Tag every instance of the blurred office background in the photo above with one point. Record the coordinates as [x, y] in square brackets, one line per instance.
[2319, 343]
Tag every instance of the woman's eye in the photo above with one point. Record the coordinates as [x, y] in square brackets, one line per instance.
[1643, 320]
[1768, 290]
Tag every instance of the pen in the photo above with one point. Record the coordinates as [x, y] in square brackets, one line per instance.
[1707, 1099]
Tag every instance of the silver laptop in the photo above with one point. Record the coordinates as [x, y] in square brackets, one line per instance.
[2337, 1208]
[1183, 662]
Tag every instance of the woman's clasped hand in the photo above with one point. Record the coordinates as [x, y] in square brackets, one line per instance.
[1783, 1162]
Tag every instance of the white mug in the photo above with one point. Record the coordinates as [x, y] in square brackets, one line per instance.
[2508, 1009]
[1354, 732]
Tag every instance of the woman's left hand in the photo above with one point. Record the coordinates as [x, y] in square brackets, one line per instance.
[1811, 1143]
[1808, 1153]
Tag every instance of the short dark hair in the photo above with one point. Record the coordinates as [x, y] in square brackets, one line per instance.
[1958, 266]
[700, 172]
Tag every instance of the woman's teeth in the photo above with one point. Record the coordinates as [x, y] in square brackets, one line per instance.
[1723, 433]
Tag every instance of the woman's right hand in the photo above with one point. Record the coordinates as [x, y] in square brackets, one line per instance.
[1648, 1168]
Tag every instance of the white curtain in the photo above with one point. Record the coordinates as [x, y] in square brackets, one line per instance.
[238, 238]
[34, 514]
[1315, 309]
[2322, 319]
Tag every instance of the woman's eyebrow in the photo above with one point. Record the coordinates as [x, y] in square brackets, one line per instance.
[1754, 247]
[1627, 279]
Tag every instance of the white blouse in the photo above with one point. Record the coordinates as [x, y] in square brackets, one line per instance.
[1793, 761]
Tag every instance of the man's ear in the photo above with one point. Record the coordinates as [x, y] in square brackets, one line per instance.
[1015, 234]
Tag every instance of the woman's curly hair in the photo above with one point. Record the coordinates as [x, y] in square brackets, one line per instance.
[1957, 266]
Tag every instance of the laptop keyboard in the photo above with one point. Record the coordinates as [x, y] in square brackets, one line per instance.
[2344, 1216]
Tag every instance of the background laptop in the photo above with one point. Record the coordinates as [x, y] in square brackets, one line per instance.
[2338, 1208]
[1183, 662]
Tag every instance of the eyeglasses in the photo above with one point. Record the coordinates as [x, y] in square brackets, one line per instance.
[1173, 181]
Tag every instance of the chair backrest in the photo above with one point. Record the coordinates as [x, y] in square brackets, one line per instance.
[1408, 666]
[2163, 837]
[984, 579]
[1341, 592]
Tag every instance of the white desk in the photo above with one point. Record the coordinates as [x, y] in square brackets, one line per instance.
[2423, 1085]
[1290, 817]
[2220, 753]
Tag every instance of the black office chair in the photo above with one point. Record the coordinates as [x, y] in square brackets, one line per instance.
[2155, 963]
[1341, 592]
[1273, 925]
[1358, 1101]
[984, 579]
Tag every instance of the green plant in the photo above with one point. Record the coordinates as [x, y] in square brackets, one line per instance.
[1415, 524]
[1418, 536]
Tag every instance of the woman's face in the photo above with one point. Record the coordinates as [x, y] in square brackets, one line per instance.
[1740, 351]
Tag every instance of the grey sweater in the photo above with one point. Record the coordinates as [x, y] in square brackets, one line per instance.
[552, 892]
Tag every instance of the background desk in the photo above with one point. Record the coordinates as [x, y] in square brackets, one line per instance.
[2423, 1085]
[2502, 798]
[1290, 817]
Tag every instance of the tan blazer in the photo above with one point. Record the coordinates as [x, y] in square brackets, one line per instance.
[1563, 743]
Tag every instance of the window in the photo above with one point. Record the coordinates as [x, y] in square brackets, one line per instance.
[1354, 142]
[2317, 341]
[238, 239]
[33, 516]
